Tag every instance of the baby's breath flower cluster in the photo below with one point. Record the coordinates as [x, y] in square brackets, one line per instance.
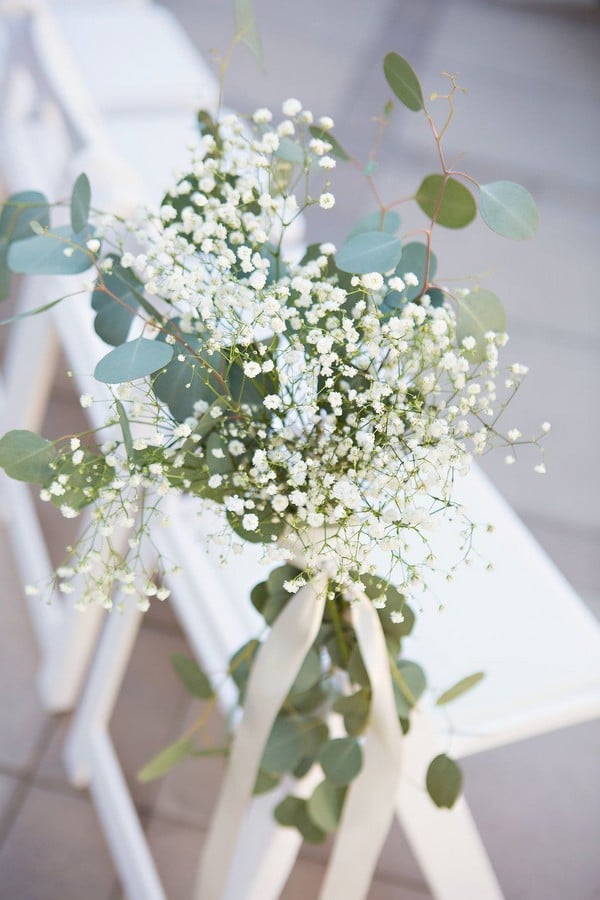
[321, 400]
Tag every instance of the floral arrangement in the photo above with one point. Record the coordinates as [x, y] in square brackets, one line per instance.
[321, 403]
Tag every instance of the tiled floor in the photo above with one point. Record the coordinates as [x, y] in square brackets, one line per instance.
[531, 115]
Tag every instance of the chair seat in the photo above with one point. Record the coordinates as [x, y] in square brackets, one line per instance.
[132, 56]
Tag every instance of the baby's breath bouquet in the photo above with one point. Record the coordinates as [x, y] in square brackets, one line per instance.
[321, 402]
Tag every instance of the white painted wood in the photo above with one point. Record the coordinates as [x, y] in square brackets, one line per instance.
[559, 659]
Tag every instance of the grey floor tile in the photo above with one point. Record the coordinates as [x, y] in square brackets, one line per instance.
[55, 851]
[575, 553]
[148, 711]
[8, 786]
[22, 719]
[176, 849]
[536, 805]
[189, 792]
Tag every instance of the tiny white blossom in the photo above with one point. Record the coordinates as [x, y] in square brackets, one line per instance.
[326, 200]
[250, 522]
[252, 369]
[86, 400]
[291, 107]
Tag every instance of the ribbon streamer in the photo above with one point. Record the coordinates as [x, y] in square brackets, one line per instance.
[371, 800]
[277, 663]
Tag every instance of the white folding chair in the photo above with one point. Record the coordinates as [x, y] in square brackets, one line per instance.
[470, 635]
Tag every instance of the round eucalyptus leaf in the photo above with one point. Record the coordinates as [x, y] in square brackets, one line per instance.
[508, 209]
[283, 749]
[133, 360]
[325, 805]
[369, 251]
[414, 259]
[413, 683]
[443, 781]
[265, 782]
[447, 201]
[355, 708]
[218, 459]
[116, 301]
[389, 223]
[341, 760]
[403, 81]
[309, 674]
[25, 456]
[287, 810]
[479, 312]
[19, 211]
[191, 675]
[59, 252]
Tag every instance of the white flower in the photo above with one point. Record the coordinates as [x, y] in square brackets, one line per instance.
[68, 512]
[411, 279]
[514, 434]
[77, 457]
[372, 281]
[75, 443]
[291, 107]
[86, 400]
[215, 481]
[326, 123]
[250, 522]
[93, 245]
[272, 401]
[397, 284]
[509, 460]
[469, 342]
[182, 431]
[327, 162]
[326, 200]
[252, 369]
[546, 426]
[540, 469]
[262, 115]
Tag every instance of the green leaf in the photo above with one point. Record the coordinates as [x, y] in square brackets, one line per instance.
[336, 148]
[465, 684]
[447, 201]
[479, 312]
[402, 79]
[165, 760]
[240, 664]
[286, 811]
[309, 674]
[133, 360]
[25, 456]
[389, 223]
[259, 596]
[44, 254]
[292, 813]
[116, 301]
[246, 26]
[370, 251]
[341, 760]
[283, 749]
[270, 525]
[265, 782]
[325, 805]
[355, 708]
[356, 668]
[19, 211]
[508, 209]
[5, 273]
[443, 781]
[192, 676]
[126, 430]
[80, 203]
[84, 480]
[409, 682]
[219, 464]
[414, 259]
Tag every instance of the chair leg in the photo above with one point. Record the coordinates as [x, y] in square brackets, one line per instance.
[446, 843]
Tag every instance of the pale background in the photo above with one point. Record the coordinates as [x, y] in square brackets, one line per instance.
[530, 115]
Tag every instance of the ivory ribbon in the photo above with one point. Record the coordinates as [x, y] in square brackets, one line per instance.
[371, 800]
[277, 663]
